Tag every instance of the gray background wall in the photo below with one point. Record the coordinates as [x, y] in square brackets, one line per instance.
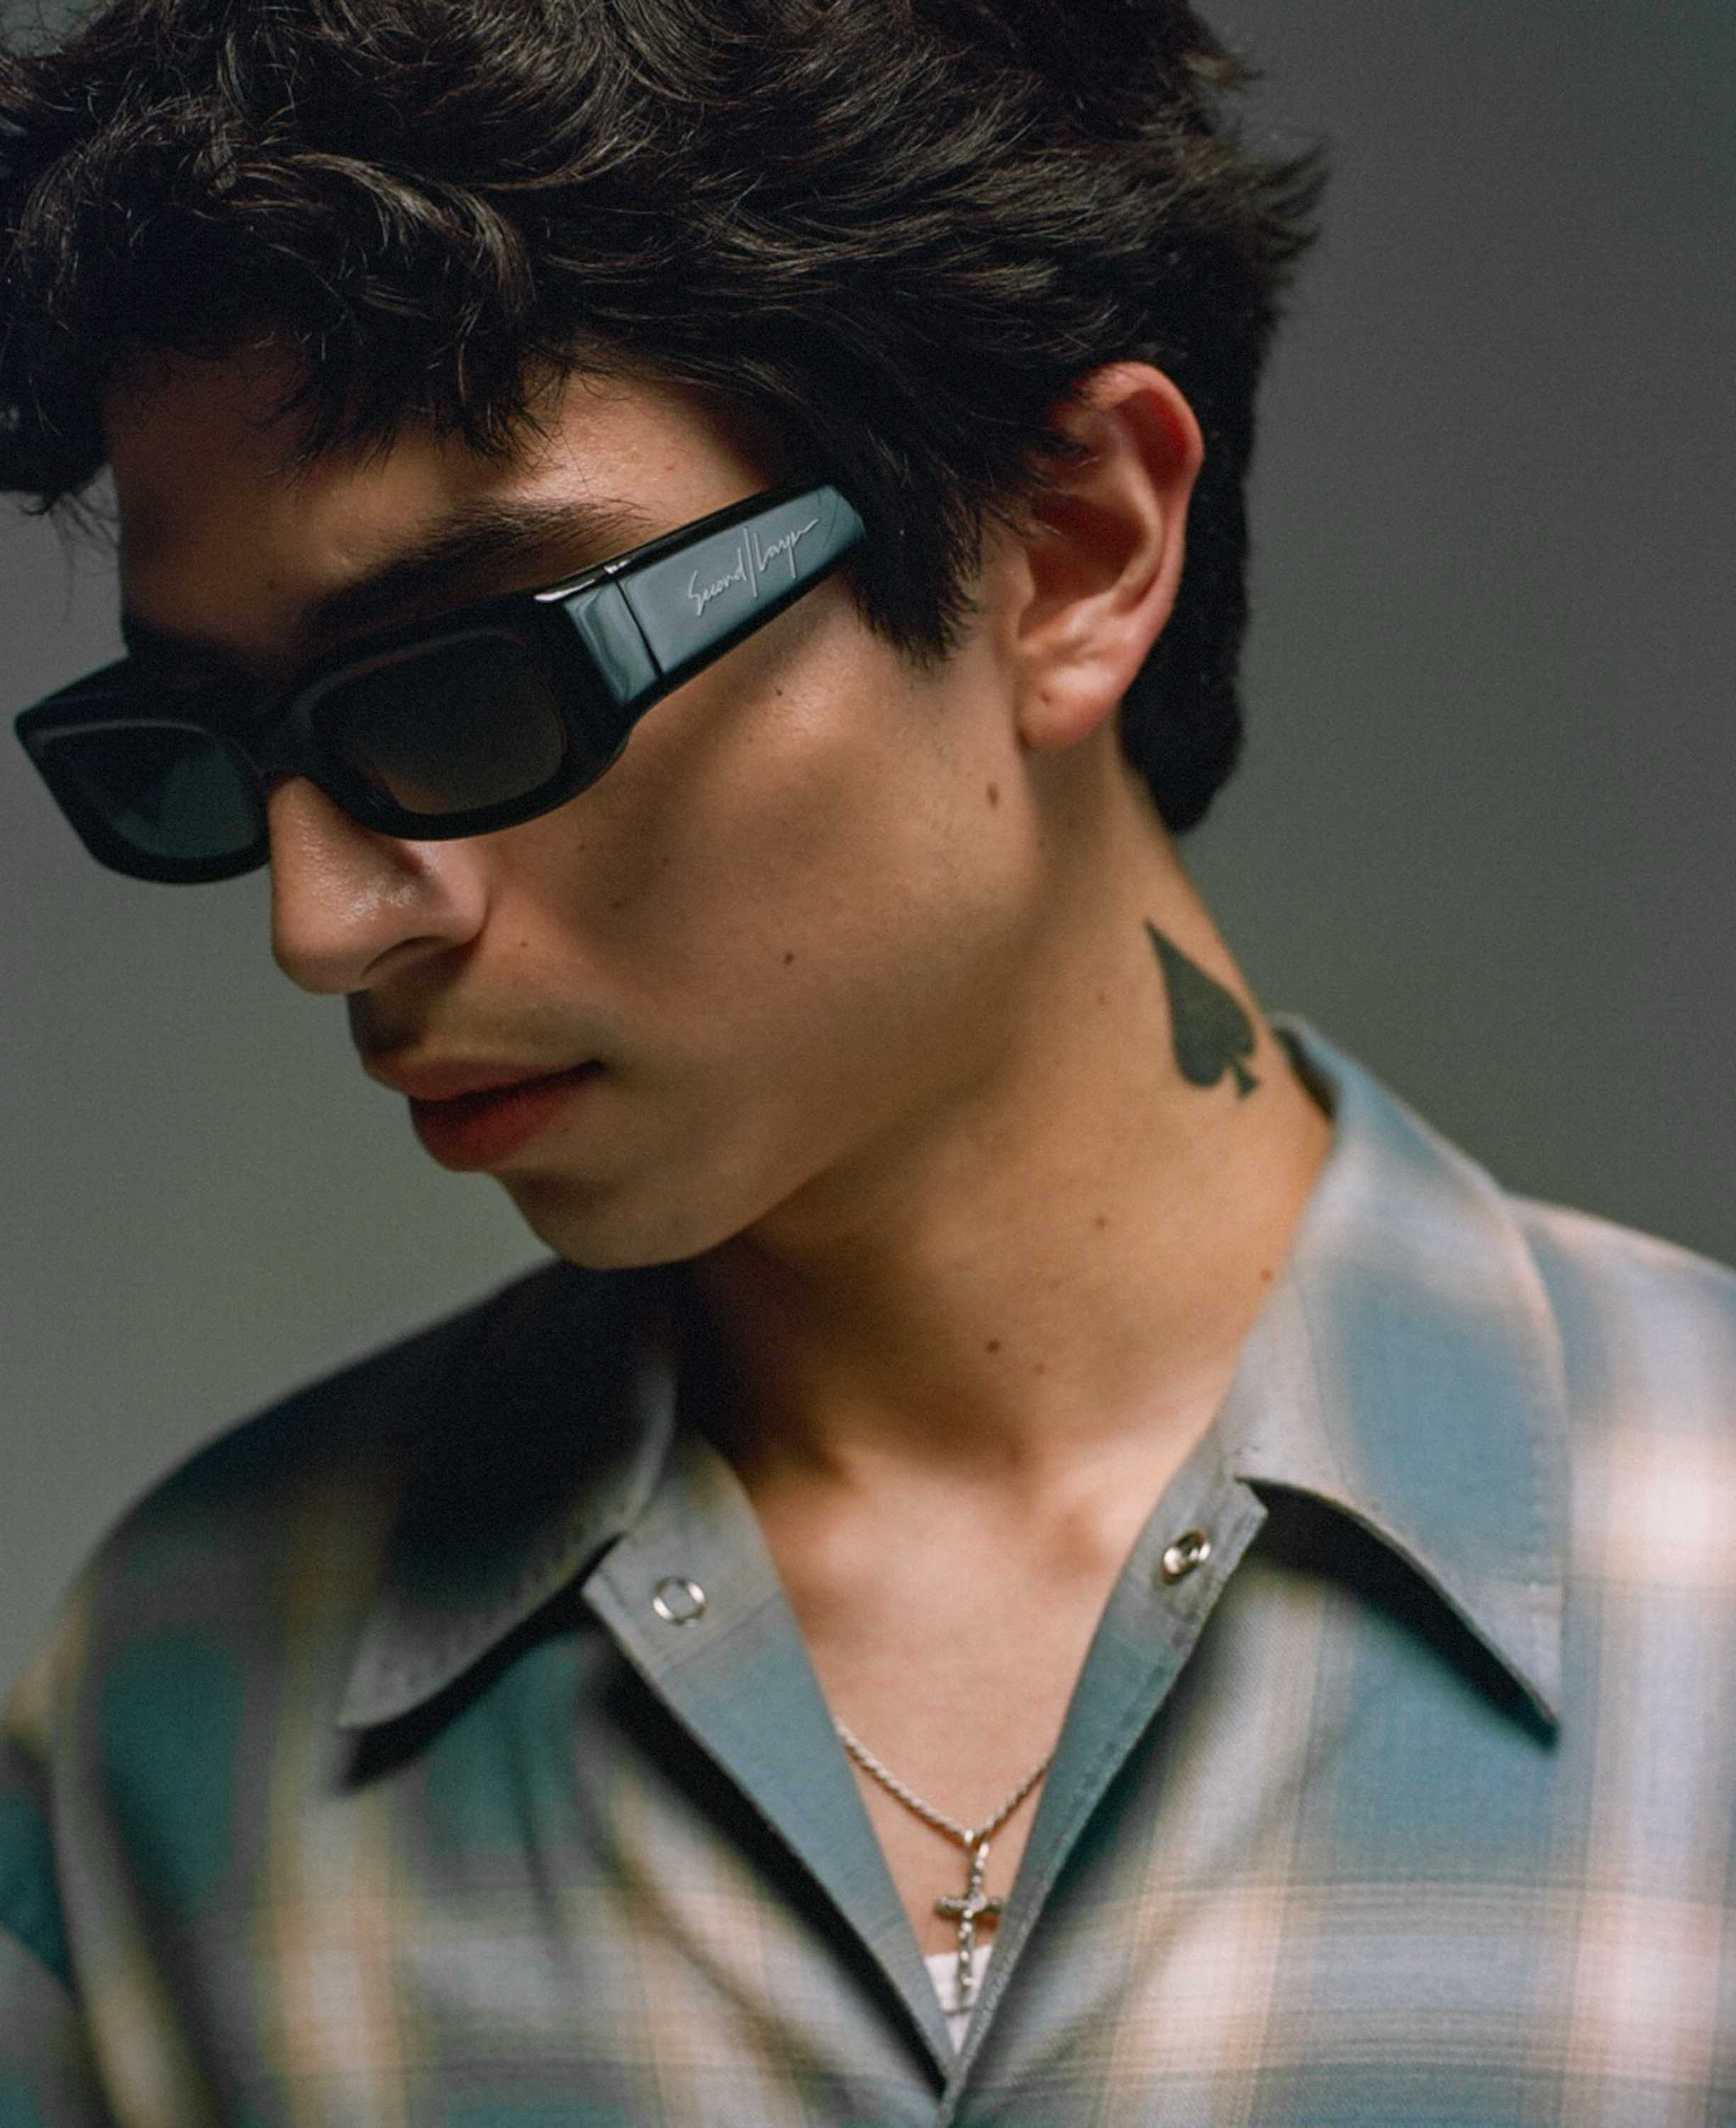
[1482, 836]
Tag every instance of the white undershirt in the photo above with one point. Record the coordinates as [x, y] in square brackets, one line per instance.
[943, 1972]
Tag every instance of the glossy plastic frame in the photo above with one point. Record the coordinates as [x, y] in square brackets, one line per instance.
[609, 644]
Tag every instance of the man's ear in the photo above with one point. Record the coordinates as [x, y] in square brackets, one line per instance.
[1093, 574]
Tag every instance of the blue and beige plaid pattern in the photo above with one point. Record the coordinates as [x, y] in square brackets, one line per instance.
[363, 1782]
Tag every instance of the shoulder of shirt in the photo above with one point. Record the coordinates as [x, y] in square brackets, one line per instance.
[230, 1597]
[1630, 1266]
[1647, 1328]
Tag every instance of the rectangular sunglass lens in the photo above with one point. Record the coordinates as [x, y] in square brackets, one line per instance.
[454, 726]
[168, 791]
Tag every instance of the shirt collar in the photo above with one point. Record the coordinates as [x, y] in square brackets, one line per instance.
[1406, 1369]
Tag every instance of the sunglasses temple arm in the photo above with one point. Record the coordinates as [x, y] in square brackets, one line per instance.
[654, 624]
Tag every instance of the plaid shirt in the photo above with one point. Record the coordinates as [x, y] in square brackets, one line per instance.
[364, 1781]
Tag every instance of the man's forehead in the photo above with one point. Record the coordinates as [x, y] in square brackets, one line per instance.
[227, 527]
[172, 425]
[199, 446]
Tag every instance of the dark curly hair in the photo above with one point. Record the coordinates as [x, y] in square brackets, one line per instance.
[890, 235]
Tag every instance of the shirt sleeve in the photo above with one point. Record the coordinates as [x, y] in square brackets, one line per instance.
[48, 2075]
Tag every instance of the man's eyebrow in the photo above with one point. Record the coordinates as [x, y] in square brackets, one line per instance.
[492, 533]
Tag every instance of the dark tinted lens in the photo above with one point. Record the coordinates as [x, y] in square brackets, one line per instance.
[447, 727]
[169, 789]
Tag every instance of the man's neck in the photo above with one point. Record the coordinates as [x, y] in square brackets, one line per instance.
[956, 1380]
[1059, 1274]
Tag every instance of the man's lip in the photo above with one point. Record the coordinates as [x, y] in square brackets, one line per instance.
[457, 1080]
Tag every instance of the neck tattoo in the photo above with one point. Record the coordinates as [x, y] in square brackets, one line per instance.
[967, 1908]
[1208, 1026]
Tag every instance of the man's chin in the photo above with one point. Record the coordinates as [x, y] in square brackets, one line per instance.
[616, 1229]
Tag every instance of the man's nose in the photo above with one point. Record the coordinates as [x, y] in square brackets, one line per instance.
[347, 905]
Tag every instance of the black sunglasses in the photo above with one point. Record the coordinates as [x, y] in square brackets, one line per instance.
[482, 718]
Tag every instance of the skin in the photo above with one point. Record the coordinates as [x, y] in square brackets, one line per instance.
[866, 956]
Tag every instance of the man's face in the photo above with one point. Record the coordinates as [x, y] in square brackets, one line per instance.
[752, 970]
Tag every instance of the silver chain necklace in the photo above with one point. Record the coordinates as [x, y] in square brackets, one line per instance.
[970, 1907]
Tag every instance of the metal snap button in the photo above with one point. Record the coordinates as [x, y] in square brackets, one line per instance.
[1192, 1548]
[678, 1603]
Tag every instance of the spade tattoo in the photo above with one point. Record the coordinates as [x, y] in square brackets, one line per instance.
[1211, 1031]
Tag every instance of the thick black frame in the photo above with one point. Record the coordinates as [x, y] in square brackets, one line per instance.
[611, 643]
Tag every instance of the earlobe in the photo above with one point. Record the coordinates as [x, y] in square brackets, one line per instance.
[1100, 559]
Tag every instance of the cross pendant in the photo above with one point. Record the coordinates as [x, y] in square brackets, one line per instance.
[967, 1911]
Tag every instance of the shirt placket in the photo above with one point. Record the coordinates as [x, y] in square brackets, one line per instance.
[1190, 1546]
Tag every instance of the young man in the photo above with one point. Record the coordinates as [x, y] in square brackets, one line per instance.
[1022, 1465]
